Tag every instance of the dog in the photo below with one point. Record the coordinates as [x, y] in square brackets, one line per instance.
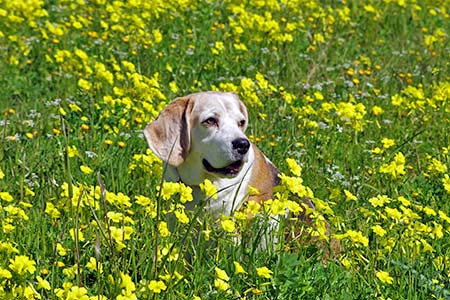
[202, 136]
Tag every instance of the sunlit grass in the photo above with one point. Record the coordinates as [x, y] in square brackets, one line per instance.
[350, 99]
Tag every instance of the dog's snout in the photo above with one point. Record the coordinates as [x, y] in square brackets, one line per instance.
[241, 145]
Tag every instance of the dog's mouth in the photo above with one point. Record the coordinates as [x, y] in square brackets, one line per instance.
[230, 170]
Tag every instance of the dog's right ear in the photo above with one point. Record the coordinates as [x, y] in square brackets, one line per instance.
[169, 135]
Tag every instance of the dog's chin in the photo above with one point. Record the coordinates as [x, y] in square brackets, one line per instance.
[232, 170]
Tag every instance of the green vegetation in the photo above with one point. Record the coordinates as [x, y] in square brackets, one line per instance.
[350, 99]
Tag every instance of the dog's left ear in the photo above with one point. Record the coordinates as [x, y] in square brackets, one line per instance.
[169, 135]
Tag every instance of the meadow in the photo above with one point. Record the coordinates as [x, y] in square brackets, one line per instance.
[350, 99]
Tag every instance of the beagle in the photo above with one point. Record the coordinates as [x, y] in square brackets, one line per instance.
[202, 136]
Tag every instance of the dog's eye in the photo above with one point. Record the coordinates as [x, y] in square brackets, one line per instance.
[211, 122]
[241, 123]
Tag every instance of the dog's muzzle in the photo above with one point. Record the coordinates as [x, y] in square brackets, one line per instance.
[229, 171]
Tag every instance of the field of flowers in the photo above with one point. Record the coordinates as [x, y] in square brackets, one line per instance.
[350, 99]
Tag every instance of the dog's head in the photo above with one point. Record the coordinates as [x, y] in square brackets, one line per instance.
[203, 133]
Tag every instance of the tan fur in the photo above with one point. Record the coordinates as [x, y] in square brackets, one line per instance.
[169, 133]
[263, 178]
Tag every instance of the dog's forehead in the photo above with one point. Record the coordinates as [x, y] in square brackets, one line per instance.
[216, 103]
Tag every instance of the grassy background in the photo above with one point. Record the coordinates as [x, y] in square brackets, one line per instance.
[325, 83]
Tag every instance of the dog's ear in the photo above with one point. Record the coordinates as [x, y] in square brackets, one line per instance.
[169, 135]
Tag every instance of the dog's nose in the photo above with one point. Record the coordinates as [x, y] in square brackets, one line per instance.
[241, 145]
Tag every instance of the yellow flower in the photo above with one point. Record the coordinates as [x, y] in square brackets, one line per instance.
[252, 190]
[80, 235]
[397, 100]
[30, 293]
[349, 196]
[86, 170]
[384, 277]
[238, 269]
[51, 210]
[387, 143]
[6, 196]
[396, 167]
[81, 54]
[169, 189]
[29, 192]
[22, 264]
[295, 185]
[437, 230]
[8, 248]
[376, 110]
[429, 211]
[318, 95]
[157, 286]
[404, 201]
[354, 236]
[127, 283]
[84, 84]
[93, 265]
[294, 167]
[346, 262]
[444, 216]
[446, 183]
[426, 246]
[393, 213]
[221, 274]
[123, 200]
[72, 151]
[253, 207]
[437, 166]
[42, 284]
[378, 230]
[143, 200]
[61, 250]
[240, 47]
[163, 229]
[185, 193]
[319, 38]
[115, 216]
[77, 293]
[377, 150]
[2, 175]
[221, 285]
[181, 216]
[228, 225]
[379, 200]
[74, 107]
[173, 87]
[209, 189]
[264, 272]
[5, 274]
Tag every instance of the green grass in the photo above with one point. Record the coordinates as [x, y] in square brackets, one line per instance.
[320, 79]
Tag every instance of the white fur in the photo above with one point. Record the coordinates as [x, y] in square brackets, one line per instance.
[213, 143]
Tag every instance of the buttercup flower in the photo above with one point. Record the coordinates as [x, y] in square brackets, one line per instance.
[384, 277]
[264, 272]
[86, 170]
[21, 265]
[157, 286]
[228, 225]
[238, 269]
[209, 189]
